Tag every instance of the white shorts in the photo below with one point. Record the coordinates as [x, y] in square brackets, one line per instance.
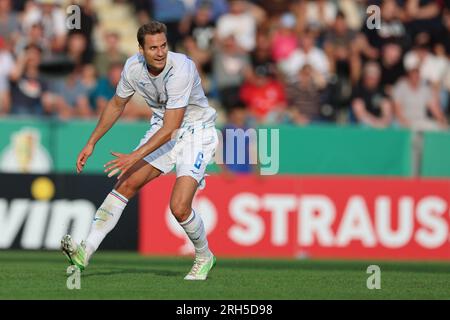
[190, 152]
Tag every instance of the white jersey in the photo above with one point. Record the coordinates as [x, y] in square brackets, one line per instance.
[177, 86]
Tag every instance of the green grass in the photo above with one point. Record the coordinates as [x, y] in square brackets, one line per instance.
[118, 275]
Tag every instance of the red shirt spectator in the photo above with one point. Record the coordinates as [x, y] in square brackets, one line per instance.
[262, 94]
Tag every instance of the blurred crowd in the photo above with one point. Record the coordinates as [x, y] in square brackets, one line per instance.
[262, 62]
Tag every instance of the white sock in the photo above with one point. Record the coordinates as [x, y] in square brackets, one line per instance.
[194, 228]
[105, 220]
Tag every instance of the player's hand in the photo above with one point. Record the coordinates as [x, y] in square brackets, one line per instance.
[83, 156]
[122, 163]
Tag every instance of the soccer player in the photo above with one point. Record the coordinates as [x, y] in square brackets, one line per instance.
[182, 134]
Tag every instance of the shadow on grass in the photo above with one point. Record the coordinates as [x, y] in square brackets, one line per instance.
[129, 271]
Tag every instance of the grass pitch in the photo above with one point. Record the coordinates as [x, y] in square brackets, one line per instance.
[118, 275]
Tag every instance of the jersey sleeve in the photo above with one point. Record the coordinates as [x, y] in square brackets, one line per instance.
[124, 87]
[179, 87]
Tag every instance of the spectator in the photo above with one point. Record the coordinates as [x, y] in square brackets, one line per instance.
[53, 19]
[89, 80]
[199, 41]
[309, 54]
[370, 106]
[229, 64]
[391, 66]
[413, 98]
[7, 64]
[370, 41]
[263, 95]
[304, 96]
[77, 50]
[111, 55]
[106, 88]
[34, 36]
[172, 14]
[320, 14]
[339, 45]
[284, 40]
[262, 55]
[238, 23]
[9, 22]
[422, 16]
[29, 92]
[5, 104]
[88, 21]
[72, 98]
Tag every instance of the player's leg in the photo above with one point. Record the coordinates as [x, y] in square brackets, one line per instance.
[181, 206]
[108, 214]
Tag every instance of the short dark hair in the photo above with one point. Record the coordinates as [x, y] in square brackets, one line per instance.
[153, 27]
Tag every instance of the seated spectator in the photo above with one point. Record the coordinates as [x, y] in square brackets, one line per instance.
[9, 22]
[105, 90]
[88, 21]
[229, 65]
[285, 39]
[309, 54]
[77, 50]
[89, 80]
[263, 95]
[304, 96]
[432, 67]
[262, 55]
[5, 104]
[239, 23]
[370, 41]
[111, 54]
[34, 36]
[414, 98]
[421, 16]
[199, 40]
[53, 18]
[29, 92]
[391, 66]
[370, 106]
[341, 50]
[7, 65]
[72, 98]
[320, 14]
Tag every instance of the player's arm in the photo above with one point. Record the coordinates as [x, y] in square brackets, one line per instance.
[172, 121]
[108, 117]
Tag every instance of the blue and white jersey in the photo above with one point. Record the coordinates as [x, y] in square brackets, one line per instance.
[177, 86]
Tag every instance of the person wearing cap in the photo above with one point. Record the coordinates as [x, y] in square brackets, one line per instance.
[414, 99]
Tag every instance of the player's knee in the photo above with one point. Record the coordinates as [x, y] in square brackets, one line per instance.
[128, 188]
[180, 209]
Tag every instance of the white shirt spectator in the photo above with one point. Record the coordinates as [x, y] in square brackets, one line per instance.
[241, 26]
[432, 68]
[316, 58]
[6, 63]
[54, 24]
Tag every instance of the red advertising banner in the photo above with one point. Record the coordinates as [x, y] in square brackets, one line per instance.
[316, 217]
